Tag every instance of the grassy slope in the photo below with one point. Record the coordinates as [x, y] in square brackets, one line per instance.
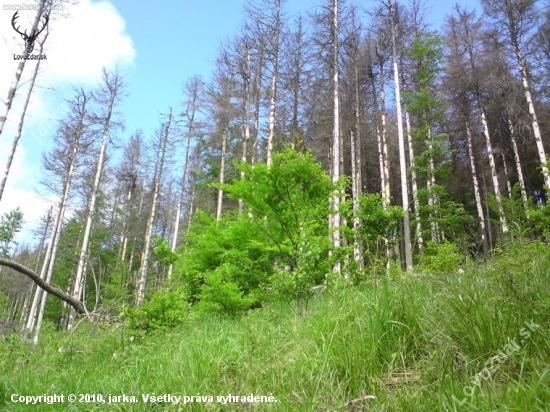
[414, 343]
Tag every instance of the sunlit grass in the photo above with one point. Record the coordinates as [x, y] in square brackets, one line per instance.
[416, 344]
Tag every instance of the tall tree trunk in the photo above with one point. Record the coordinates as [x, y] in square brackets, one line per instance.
[416, 201]
[533, 114]
[357, 184]
[246, 116]
[146, 254]
[36, 311]
[219, 206]
[496, 186]
[380, 113]
[113, 87]
[190, 113]
[356, 191]
[273, 89]
[402, 155]
[477, 195]
[336, 218]
[257, 102]
[433, 198]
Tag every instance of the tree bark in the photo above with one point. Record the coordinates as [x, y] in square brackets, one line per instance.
[113, 86]
[402, 155]
[477, 195]
[75, 303]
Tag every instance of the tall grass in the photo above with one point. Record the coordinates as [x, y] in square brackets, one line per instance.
[414, 343]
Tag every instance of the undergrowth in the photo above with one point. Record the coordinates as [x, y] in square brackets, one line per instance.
[433, 342]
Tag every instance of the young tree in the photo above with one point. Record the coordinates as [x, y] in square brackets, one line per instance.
[10, 224]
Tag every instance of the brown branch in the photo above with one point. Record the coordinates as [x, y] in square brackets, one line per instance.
[75, 303]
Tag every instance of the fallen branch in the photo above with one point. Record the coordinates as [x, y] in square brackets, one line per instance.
[75, 303]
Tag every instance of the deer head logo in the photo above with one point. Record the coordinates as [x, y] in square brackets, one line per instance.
[29, 40]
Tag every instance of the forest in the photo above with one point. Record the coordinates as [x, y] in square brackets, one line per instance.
[348, 180]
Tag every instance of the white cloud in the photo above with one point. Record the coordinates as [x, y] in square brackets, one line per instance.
[91, 37]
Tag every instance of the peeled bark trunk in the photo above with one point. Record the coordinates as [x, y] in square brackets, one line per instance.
[402, 155]
[336, 217]
[416, 202]
[506, 175]
[380, 130]
[190, 130]
[36, 311]
[518, 163]
[496, 186]
[357, 184]
[356, 191]
[257, 101]
[533, 114]
[80, 277]
[219, 206]
[246, 120]
[432, 199]
[477, 195]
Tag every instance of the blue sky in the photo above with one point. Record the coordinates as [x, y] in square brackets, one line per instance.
[175, 40]
[159, 45]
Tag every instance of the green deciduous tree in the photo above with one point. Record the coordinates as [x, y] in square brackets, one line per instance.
[10, 224]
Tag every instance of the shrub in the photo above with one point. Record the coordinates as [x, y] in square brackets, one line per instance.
[165, 309]
[441, 258]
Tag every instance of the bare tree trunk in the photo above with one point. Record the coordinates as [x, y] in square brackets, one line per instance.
[142, 281]
[506, 175]
[385, 171]
[432, 199]
[246, 128]
[274, 75]
[402, 155]
[518, 163]
[258, 98]
[113, 86]
[416, 202]
[336, 218]
[357, 184]
[36, 311]
[477, 195]
[356, 191]
[533, 114]
[32, 289]
[190, 113]
[496, 186]
[219, 206]
[380, 113]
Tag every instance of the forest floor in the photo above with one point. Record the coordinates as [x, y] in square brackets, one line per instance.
[473, 341]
